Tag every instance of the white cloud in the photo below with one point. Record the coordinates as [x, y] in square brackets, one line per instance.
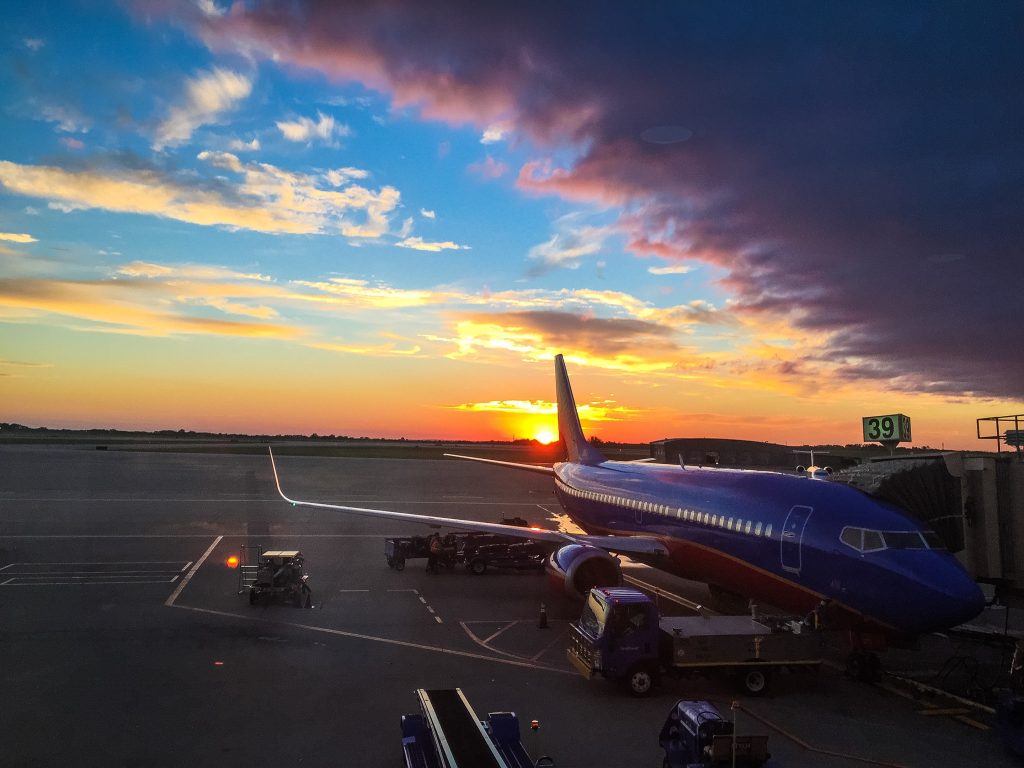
[209, 8]
[67, 119]
[14, 237]
[34, 43]
[237, 145]
[678, 269]
[568, 246]
[417, 243]
[338, 176]
[207, 97]
[427, 214]
[264, 199]
[494, 133]
[304, 129]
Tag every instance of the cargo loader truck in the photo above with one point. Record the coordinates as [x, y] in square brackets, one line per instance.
[622, 637]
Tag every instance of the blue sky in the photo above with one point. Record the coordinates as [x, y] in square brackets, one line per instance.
[748, 220]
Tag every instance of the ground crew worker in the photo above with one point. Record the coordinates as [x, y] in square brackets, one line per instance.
[434, 548]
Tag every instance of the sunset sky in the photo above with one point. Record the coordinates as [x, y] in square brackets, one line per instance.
[758, 221]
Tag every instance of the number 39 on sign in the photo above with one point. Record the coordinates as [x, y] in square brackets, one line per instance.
[895, 427]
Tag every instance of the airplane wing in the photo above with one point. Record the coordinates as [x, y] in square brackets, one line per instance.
[627, 545]
[515, 465]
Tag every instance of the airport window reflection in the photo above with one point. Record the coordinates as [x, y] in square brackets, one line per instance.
[768, 530]
[757, 528]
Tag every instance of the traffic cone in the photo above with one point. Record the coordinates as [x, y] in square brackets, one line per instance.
[543, 622]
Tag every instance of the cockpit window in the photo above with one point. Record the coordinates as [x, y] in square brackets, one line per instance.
[903, 540]
[865, 540]
[873, 541]
[853, 537]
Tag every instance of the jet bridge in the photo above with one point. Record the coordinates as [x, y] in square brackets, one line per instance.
[973, 501]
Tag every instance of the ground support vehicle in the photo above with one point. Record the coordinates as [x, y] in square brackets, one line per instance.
[275, 575]
[400, 549]
[477, 551]
[621, 636]
[448, 734]
[480, 551]
[695, 734]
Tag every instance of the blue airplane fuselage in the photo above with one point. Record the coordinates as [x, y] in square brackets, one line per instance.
[785, 540]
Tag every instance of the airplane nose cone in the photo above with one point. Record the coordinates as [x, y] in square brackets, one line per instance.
[956, 598]
[966, 602]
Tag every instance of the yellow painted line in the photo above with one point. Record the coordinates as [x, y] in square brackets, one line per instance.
[972, 722]
[817, 750]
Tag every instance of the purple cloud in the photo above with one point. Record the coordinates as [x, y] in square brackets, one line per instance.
[857, 167]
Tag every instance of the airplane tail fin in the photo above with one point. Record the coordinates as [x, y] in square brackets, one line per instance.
[578, 450]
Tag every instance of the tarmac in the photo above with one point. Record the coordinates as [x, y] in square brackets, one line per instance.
[124, 640]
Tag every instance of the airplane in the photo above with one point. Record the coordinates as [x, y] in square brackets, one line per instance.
[812, 470]
[820, 548]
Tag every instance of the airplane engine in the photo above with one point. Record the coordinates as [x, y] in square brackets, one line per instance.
[575, 568]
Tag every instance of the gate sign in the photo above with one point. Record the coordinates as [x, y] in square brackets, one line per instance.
[883, 429]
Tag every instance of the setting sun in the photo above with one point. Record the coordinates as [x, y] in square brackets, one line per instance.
[545, 436]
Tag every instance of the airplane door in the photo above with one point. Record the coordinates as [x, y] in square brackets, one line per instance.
[793, 536]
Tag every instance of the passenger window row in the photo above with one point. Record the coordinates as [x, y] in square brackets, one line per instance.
[735, 524]
[867, 540]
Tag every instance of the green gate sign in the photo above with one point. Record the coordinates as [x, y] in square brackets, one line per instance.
[894, 428]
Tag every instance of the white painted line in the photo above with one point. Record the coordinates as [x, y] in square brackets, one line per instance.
[13, 583]
[353, 590]
[109, 562]
[91, 573]
[511, 623]
[482, 644]
[188, 577]
[400, 590]
[549, 646]
[174, 579]
[385, 640]
[423, 600]
[89, 576]
[187, 565]
[438, 620]
[8, 566]
[430, 609]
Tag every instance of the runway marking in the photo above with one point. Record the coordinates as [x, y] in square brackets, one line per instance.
[103, 562]
[70, 574]
[438, 620]
[13, 582]
[550, 645]
[187, 565]
[188, 576]
[174, 579]
[817, 750]
[385, 640]
[510, 624]
[7, 566]
[483, 644]
[95, 573]
[353, 590]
